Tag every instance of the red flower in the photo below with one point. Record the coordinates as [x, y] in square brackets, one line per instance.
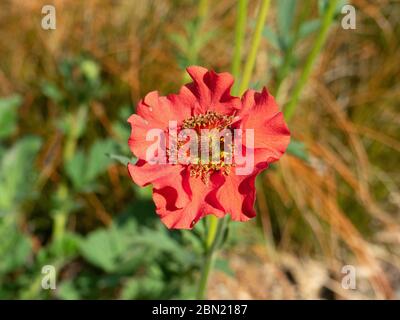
[186, 192]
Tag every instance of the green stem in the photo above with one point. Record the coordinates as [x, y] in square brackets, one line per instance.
[255, 42]
[319, 42]
[216, 230]
[202, 9]
[212, 231]
[239, 39]
[193, 51]
[289, 53]
[75, 121]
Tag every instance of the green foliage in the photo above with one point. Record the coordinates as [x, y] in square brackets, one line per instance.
[323, 5]
[190, 43]
[17, 174]
[124, 247]
[152, 285]
[298, 149]
[106, 248]
[79, 83]
[17, 182]
[67, 291]
[97, 160]
[271, 36]
[292, 28]
[84, 168]
[74, 124]
[286, 15]
[156, 259]
[309, 27]
[122, 159]
[11, 240]
[8, 115]
[223, 265]
[135, 255]
[60, 250]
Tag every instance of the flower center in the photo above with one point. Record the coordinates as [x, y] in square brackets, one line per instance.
[215, 147]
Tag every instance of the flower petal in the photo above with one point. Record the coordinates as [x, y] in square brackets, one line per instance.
[271, 135]
[155, 112]
[198, 207]
[161, 176]
[158, 111]
[237, 196]
[258, 102]
[212, 91]
[137, 140]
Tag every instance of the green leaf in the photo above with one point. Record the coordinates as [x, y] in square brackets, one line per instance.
[286, 13]
[80, 121]
[90, 69]
[76, 169]
[144, 193]
[298, 149]
[105, 248]
[150, 285]
[98, 160]
[16, 173]
[180, 41]
[67, 291]
[8, 115]
[62, 249]
[271, 36]
[122, 131]
[74, 124]
[309, 27]
[323, 6]
[122, 159]
[15, 247]
[122, 248]
[83, 169]
[276, 60]
[223, 265]
[51, 91]
[131, 289]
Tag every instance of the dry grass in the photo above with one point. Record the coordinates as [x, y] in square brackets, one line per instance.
[353, 146]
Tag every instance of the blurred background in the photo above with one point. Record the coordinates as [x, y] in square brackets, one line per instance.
[66, 199]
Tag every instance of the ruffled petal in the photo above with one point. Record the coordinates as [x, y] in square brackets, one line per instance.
[137, 140]
[271, 134]
[158, 111]
[155, 112]
[237, 196]
[201, 195]
[212, 91]
[162, 176]
[258, 102]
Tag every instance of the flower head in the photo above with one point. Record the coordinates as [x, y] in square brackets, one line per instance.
[202, 148]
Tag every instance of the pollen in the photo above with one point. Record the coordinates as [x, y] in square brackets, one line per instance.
[210, 120]
[220, 161]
